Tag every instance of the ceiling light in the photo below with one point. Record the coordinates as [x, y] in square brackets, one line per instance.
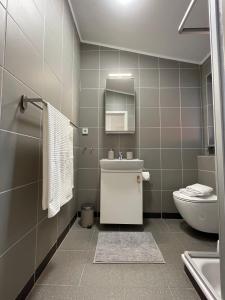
[120, 75]
[124, 2]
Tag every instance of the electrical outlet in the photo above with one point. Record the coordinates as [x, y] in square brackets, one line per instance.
[84, 131]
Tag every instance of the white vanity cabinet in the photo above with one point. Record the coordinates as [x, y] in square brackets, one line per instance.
[121, 197]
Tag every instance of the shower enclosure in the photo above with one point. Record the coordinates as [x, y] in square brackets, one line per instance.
[205, 268]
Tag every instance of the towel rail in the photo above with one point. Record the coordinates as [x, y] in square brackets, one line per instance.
[25, 100]
[182, 29]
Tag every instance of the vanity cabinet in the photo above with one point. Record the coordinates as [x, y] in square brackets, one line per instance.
[121, 200]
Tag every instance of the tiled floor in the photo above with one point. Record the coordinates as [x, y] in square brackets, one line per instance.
[71, 274]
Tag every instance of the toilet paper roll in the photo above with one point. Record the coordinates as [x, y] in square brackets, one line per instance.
[146, 176]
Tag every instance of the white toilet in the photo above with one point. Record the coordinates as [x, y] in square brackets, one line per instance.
[199, 213]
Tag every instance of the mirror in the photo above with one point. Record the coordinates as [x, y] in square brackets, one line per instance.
[119, 105]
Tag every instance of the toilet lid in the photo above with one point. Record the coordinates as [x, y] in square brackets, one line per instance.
[180, 196]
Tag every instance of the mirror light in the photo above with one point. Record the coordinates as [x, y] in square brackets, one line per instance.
[120, 74]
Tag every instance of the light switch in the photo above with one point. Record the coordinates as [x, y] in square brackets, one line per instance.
[85, 131]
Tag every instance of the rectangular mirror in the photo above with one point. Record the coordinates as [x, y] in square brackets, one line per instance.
[119, 105]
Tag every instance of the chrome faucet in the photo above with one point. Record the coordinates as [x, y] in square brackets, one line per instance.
[120, 155]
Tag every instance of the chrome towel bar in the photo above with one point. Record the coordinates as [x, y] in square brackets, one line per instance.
[25, 100]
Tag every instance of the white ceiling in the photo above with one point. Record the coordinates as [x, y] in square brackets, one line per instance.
[144, 26]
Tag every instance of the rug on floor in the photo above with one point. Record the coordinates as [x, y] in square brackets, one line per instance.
[127, 247]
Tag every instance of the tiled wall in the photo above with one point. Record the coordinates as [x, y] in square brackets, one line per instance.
[168, 126]
[206, 171]
[207, 105]
[39, 56]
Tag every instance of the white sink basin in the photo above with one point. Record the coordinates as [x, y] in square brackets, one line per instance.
[121, 164]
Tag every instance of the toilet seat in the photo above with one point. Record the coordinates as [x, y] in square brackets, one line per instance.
[206, 199]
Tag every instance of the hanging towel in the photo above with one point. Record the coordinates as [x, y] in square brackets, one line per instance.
[57, 160]
[200, 189]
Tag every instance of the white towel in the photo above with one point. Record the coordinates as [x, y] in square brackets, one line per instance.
[200, 189]
[57, 160]
[189, 193]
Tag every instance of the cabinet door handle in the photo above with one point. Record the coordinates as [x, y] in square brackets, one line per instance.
[138, 179]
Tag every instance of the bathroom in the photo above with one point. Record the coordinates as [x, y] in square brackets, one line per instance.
[132, 180]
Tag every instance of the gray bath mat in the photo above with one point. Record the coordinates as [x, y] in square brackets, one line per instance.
[127, 247]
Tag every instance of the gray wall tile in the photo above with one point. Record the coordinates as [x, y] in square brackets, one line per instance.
[189, 157]
[152, 201]
[88, 179]
[171, 179]
[104, 74]
[190, 78]
[206, 163]
[88, 158]
[29, 20]
[170, 137]
[170, 97]
[24, 63]
[150, 137]
[88, 47]
[149, 117]
[190, 177]
[148, 61]
[155, 181]
[190, 97]
[191, 117]
[12, 119]
[207, 178]
[20, 257]
[168, 63]
[89, 196]
[52, 88]
[107, 141]
[171, 158]
[149, 97]
[192, 137]
[41, 214]
[149, 78]
[109, 59]
[129, 141]
[64, 217]
[169, 77]
[128, 60]
[21, 216]
[46, 238]
[89, 60]
[53, 39]
[168, 205]
[2, 33]
[151, 158]
[89, 78]
[89, 98]
[15, 150]
[170, 117]
[89, 117]
[90, 140]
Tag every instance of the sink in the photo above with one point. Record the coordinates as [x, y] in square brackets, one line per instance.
[121, 164]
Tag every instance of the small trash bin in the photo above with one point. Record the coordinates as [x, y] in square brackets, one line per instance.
[87, 216]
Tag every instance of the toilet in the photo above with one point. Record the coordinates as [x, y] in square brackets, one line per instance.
[201, 213]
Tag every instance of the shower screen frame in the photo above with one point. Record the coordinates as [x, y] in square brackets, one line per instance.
[217, 41]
